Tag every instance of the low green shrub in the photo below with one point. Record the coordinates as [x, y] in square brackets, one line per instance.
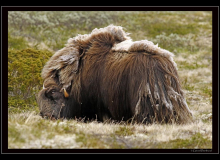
[24, 77]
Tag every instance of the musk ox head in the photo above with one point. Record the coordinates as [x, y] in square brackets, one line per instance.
[106, 75]
[52, 99]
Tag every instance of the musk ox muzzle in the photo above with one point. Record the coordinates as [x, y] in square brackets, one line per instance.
[106, 75]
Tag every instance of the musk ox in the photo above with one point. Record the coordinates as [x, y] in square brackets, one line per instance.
[106, 75]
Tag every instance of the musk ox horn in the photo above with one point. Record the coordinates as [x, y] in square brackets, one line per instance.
[65, 93]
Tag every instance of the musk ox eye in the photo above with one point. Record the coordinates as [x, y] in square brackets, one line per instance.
[49, 93]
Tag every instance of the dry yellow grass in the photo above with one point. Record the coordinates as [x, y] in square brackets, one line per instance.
[29, 130]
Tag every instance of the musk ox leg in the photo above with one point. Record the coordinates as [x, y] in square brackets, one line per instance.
[103, 113]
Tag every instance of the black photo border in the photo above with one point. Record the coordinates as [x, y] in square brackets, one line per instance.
[4, 80]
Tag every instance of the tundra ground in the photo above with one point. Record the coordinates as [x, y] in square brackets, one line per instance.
[187, 34]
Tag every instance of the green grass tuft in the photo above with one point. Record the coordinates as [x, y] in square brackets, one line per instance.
[125, 131]
[196, 141]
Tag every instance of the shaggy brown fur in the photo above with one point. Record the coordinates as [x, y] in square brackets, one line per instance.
[109, 76]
